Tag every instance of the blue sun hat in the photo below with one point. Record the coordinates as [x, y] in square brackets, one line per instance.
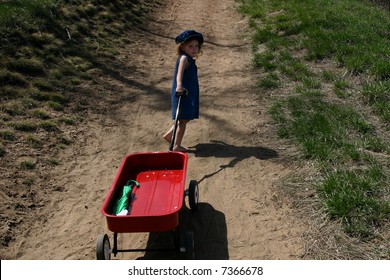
[189, 34]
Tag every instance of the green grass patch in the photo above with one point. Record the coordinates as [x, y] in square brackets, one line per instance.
[270, 81]
[377, 94]
[357, 198]
[353, 32]
[290, 37]
[341, 87]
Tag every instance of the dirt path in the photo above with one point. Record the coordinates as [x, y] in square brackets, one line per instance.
[237, 162]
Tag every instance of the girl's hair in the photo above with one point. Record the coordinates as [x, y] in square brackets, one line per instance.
[180, 51]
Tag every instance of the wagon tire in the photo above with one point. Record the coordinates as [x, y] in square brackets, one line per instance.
[189, 245]
[193, 195]
[103, 248]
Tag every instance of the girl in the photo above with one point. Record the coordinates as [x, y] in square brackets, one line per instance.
[185, 79]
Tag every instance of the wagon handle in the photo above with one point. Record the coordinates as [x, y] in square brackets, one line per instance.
[180, 95]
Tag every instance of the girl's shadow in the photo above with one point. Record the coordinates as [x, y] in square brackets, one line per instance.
[221, 149]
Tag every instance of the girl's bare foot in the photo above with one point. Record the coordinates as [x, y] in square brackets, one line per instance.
[180, 149]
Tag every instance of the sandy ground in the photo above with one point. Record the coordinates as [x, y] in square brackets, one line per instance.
[234, 154]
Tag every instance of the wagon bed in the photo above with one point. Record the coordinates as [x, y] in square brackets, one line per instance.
[154, 205]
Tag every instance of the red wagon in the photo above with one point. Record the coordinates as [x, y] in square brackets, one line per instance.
[154, 205]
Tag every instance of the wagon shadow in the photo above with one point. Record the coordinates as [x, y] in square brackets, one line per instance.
[220, 149]
[210, 235]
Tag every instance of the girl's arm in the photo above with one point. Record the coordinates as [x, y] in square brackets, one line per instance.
[179, 78]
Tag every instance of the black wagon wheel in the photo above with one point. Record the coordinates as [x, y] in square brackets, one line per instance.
[189, 245]
[103, 248]
[193, 195]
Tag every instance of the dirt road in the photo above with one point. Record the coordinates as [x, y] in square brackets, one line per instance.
[234, 156]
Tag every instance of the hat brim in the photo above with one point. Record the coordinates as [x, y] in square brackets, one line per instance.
[198, 37]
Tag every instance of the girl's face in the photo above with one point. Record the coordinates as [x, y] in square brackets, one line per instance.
[191, 48]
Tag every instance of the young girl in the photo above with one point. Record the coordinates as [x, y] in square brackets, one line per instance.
[185, 79]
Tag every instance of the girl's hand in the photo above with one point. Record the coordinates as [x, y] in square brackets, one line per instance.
[181, 91]
[179, 88]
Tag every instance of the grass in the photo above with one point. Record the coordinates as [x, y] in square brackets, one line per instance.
[34, 141]
[49, 48]
[321, 107]
[28, 164]
[7, 135]
[377, 95]
[2, 149]
[53, 55]
[352, 195]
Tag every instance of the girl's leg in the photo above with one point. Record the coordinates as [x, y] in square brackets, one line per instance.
[179, 136]
[168, 134]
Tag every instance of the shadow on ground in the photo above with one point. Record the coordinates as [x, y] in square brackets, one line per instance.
[220, 149]
[210, 236]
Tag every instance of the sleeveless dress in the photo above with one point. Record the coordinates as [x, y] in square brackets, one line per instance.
[190, 103]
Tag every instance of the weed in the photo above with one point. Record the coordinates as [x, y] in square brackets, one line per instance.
[54, 161]
[24, 125]
[41, 38]
[28, 181]
[311, 82]
[68, 121]
[58, 98]
[43, 85]
[9, 92]
[34, 141]
[2, 149]
[28, 164]
[13, 108]
[49, 126]
[270, 81]
[374, 144]
[329, 76]
[356, 197]
[63, 140]
[265, 60]
[12, 78]
[377, 95]
[29, 66]
[41, 114]
[340, 88]
[55, 105]
[293, 68]
[7, 135]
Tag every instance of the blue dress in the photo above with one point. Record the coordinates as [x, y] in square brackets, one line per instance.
[190, 103]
